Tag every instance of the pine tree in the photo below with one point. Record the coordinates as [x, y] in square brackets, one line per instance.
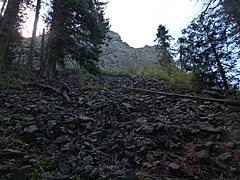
[210, 47]
[165, 56]
[77, 30]
[231, 7]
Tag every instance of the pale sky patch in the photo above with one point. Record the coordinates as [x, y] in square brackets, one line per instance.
[136, 21]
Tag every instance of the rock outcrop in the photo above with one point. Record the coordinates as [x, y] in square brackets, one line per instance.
[118, 55]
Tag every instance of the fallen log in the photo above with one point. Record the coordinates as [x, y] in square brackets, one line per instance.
[226, 101]
[63, 93]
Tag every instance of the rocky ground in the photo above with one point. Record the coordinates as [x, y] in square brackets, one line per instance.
[99, 129]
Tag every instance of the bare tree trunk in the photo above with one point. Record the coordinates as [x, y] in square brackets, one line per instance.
[3, 7]
[31, 51]
[55, 45]
[7, 29]
[42, 59]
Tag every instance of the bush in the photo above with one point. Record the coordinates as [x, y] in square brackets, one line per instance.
[154, 70]
[14, 76]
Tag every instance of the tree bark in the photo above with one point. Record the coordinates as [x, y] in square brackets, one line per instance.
[219, 64]
[32, 45]
[42, 59]
[55, 45]
[3, 7]
[7, 29]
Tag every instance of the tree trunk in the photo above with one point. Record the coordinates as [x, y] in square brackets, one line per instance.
[31, 51]
[3, 7]
[42, 59]
[55, 45]
[219, 64]
[7, 29]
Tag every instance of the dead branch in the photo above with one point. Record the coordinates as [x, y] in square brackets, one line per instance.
[226, 101]
[64, 94]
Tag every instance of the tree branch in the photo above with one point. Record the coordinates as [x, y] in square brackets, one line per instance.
[64, 94]
[185, 96]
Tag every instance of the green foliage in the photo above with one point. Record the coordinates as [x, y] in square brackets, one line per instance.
[82, 76]
[232, 8]
[78, 29]
[210, 46]
[157, 71]
[39, 163]
[81, 160]
[14, 77]
[182, 79]
[165, 55]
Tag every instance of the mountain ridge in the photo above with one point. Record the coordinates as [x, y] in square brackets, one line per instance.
[116, 54]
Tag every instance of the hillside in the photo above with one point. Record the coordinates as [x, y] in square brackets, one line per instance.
[68, 127]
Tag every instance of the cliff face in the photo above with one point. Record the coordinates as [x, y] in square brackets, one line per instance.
[117, 54]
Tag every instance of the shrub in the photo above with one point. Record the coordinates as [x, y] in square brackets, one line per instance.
[14, 77]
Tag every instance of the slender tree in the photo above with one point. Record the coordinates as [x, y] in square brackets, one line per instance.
[42, 58]
[8, 30]
[31, 51]
[3, 7]
[165, 56]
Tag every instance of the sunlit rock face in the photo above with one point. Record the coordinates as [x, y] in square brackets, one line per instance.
[118, 55]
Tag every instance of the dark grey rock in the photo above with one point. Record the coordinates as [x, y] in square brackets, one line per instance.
[4, 144]
[225, 156]
[174, 166]
[28, 118]
[204, 155]
[31, 129]
[8, 154]
[150, 157]
[222, 165]
[64, 167]
[52, 148]
[163, 138]
[51, 124]
[208, 128]
[148, 129]
[61, 139]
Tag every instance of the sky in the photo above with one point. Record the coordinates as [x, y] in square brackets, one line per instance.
[136, 21]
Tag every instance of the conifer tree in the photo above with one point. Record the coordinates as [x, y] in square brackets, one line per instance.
[210, 46]
[165, 56]
[77, 30]
[231, 7]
